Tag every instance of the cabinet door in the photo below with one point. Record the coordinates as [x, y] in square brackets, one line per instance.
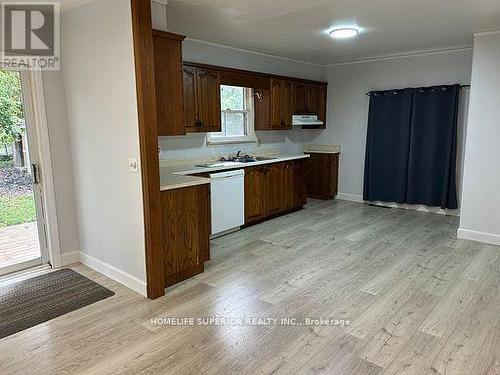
[299, 184]
[262, 108]
[208, 97]
[287, 107]
[287, 186]
[255, 194]
[335, 175]
[190, 103]
[313, 99]
[274, 178]
[277, 103]
[322, 176]
[322, 104]
[186, 233]
[299, 98]
[168, 81]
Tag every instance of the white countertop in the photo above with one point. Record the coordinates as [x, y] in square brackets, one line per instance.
[176, 176]
[322, 149]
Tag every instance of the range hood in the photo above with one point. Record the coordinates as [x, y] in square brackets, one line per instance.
[306, 120]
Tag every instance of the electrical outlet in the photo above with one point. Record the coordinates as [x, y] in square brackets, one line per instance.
[133, 166]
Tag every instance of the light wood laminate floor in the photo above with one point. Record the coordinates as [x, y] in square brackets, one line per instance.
[419, 302]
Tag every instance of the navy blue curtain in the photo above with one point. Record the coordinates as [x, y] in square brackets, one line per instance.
[387, 146]
[411, 146]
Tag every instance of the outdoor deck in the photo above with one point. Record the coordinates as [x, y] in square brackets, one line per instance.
[18, 243]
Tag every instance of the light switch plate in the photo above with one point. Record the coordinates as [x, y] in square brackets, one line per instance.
[133, 166]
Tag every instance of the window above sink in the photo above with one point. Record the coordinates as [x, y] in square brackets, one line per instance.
[237, 117]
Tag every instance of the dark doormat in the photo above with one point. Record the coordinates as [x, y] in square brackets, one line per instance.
[39, 299]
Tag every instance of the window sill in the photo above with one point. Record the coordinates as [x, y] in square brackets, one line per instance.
[214, 141]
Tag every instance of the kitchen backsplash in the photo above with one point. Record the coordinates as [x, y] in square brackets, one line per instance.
[195, 145]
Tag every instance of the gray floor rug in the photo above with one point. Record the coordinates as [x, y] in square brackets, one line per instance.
[41, 298]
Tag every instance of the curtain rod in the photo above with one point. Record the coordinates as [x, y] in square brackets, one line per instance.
[368, 93]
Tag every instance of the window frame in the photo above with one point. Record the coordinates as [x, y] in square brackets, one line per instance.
[250, 136]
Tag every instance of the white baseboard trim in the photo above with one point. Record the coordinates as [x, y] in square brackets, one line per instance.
[350, 197]
[114, 273]
[70, 258]
[434, 210]
[472, 235]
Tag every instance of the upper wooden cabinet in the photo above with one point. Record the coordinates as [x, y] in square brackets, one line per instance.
[169, 82]
[281, 104]
[188, 96]
[308, 98]
[202, 111]
[190, 121]
[274, 109]
[322, 104]
[208, 96]
[262, 108]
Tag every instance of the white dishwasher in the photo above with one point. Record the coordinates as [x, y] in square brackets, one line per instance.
[228, 201]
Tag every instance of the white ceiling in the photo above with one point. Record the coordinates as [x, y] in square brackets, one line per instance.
[298, 28]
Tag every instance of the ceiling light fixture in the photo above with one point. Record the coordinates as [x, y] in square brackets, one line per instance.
[343, 33]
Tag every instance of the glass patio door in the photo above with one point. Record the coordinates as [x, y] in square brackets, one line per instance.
[22, 224]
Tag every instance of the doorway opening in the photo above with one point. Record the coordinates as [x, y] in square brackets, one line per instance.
[23, 237]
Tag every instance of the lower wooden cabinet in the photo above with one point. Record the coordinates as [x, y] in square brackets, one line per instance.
[186, 231]
[273, 189]
[322, 175]
[255, 193]
[299, 183]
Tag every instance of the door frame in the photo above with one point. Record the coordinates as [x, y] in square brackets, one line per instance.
[36, 117]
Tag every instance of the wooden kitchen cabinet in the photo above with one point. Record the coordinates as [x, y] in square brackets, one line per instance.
[313, 99]
[202, 113]
[273, 189]
[168, 82]
[308, 98]
[186, 231]
[322, 175]
[190, 104]
[299, 178]
[281, 104]
[300, 98]
[322, 105]
[208, 97]
[277, 98]
[262, 108]
[288, 188]
[255, 194]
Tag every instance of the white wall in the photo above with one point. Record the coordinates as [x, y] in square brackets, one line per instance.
[99, 76]
[62, 165]
[480, 219]
[347, 114]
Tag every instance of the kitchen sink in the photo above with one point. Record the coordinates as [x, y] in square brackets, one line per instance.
[251, 159]
[235, 162]
[219, 164]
